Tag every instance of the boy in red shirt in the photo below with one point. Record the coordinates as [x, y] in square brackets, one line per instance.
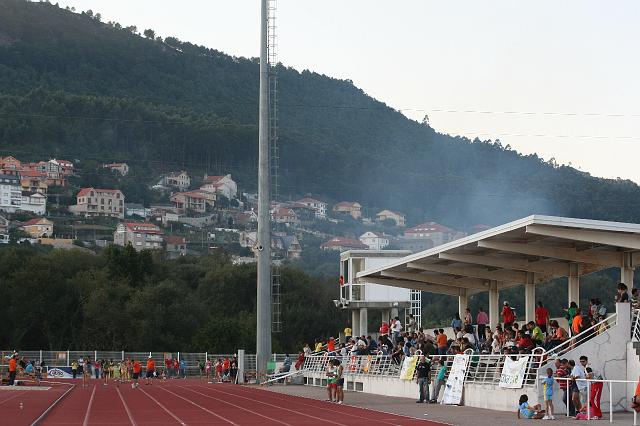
[507, 315]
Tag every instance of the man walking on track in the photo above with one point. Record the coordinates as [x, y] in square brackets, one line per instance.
[13, 369]
[151, 368]
[137, 368]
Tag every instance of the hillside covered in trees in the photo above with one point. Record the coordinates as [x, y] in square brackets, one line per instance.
[75, 87]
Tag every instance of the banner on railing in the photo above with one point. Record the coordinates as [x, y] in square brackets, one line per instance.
[408, 367]
[62, 373]
[513, 372]
[455, 381]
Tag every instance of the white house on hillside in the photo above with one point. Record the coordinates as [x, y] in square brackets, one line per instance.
[320, 207]
[374, 240]
[222, 185]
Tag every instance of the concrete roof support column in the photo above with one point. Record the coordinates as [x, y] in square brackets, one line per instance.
[355, 322]
[626, 270]
[530, 298]
[574, 284]
[363, 321]
[494, 313]
[385, 315]
[462, 302]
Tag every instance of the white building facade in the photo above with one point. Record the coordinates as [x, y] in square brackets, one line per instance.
[374, 240]
[10, 193]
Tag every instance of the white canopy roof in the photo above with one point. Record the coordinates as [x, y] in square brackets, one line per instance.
[530, 250]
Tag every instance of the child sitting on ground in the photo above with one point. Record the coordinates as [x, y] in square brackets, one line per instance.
[529, 411]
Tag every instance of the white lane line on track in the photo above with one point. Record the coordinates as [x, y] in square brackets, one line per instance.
[126, 408]
[12, 396]
[86, 416]
[234, 405]
[201, 407]
[163, 407]
[364, 408]
[335, 408]
[275, 406]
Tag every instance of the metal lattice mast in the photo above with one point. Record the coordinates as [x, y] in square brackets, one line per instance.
[263, 244]
[272, 47]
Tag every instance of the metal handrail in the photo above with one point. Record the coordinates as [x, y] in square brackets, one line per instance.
[482, 369]
[583, 336]
[635, 332]
[603, 381]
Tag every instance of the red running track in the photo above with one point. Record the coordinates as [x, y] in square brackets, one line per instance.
[188, 402]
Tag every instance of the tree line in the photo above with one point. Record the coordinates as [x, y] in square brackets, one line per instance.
[120, 299]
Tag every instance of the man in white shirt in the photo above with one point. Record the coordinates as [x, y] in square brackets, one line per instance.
[397, 328]
[579, 393]
[469, 335]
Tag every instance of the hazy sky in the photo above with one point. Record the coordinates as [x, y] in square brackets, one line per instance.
[578, 57]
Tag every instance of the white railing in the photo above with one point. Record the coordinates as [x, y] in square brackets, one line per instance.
[609, 384]
[635, 325]
[578, 339]
[192, 359]
[482, 369]
[354, 365]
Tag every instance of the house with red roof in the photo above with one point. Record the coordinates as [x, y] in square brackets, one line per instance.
[437, 233]
[343, 244]
[10, 165]
[38, 228]
[175, 246]
[352, 208]
[284, 215]
[197, 200]
[121, 168]
[141, 235]
[95, 202]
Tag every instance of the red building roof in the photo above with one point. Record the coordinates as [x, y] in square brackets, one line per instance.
[429, 227]
[174, 240]
[143, 227]
[85, 191]
[344, 242]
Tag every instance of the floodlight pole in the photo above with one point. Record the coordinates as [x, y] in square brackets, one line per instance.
[263, 300]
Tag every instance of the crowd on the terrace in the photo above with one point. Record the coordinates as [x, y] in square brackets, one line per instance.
[473, 332]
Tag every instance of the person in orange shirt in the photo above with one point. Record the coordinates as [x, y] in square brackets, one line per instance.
[151, 368]
[441, 341]
[13, 369]
[576, 324]
[137, 368]
[226, 365]
[331, 345]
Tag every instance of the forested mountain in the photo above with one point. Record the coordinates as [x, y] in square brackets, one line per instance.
[75, 87]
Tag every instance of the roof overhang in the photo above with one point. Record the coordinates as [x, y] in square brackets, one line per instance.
[534, 249]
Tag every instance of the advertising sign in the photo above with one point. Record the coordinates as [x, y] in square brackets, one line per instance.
[513, 372]
[455, 381]
[408, 367]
